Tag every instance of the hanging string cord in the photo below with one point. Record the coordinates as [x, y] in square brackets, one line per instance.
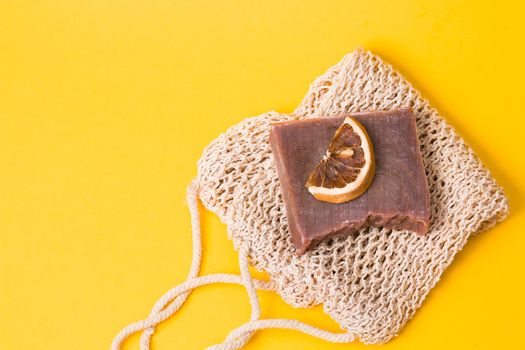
[240, 339]
[172, 300]
[168, 298]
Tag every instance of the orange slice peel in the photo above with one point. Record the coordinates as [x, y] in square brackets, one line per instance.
[347, 170]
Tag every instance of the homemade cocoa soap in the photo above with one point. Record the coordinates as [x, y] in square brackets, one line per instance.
[397, 199]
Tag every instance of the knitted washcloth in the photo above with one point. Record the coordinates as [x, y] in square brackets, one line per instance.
[373, 281]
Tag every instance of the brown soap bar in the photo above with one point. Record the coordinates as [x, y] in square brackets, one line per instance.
[397, 199]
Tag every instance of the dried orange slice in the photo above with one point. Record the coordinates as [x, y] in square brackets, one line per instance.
[347, 169]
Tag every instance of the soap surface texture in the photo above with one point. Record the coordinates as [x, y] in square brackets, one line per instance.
[397, 199]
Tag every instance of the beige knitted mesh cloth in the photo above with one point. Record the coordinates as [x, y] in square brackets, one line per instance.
[373, 281]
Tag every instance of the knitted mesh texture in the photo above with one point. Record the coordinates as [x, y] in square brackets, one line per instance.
[373, 281]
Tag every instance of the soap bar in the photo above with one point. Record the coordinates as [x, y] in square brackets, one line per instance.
[397, 199]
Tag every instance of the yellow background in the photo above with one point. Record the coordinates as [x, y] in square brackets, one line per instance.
[105, 107]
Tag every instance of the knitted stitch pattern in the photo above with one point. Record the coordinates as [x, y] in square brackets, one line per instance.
[372, 281]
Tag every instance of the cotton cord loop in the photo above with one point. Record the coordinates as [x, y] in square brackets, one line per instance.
[172, 300]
